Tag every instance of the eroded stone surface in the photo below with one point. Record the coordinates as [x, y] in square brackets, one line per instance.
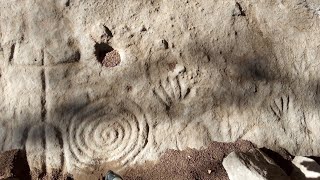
[190, 72]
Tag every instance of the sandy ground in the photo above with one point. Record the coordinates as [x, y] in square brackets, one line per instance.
[190, 164]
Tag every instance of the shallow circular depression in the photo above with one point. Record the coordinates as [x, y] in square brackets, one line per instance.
[106, 55]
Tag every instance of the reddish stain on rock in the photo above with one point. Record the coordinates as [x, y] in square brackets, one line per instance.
[172, 66]
[111, 59]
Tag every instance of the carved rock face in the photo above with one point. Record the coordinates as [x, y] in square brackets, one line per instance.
[189, 73]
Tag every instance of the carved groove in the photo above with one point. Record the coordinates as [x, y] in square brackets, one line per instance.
[103, 132]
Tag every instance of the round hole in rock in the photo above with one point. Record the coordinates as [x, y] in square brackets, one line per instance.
[106, 55]
[101, 49]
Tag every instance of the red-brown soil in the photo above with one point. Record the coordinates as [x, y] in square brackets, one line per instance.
[189, 164]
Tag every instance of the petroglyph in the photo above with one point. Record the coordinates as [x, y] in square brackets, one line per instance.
[35, 148]
[44, 147]
[54, 152]
[280, 107]
[106, 131]
[291, 118]
[202, 71]
[285, 109]
[176, 86]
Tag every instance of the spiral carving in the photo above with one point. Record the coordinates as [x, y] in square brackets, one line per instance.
[104, 131]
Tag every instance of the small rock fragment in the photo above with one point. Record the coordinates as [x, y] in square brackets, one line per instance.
[209, 171]
[253, 165]
[111, 59]
[305, 168]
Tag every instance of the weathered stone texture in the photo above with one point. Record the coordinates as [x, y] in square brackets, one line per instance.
[190, 72]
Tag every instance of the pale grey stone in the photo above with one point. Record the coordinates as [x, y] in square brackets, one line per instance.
[253, 165]
[305, 168]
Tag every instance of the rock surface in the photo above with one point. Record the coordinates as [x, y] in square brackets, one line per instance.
[190, 72]
[305, 168]
[253, 165]
[14, 165]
